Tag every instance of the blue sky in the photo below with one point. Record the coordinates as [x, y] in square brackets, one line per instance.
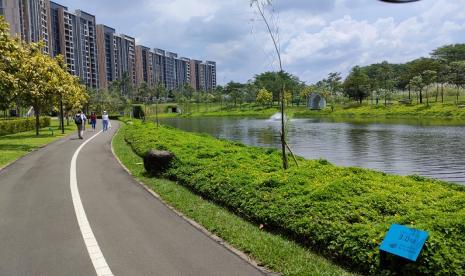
[316, 36]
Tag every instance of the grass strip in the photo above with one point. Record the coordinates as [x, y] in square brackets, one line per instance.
[340, 212]
[16, 145]
[270, 250]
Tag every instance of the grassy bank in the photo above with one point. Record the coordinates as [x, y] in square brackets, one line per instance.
[16, 145]
[343, 213]
[433, 111]
[271, 250]
[399, 111]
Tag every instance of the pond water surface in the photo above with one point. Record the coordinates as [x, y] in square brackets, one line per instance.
[399, 147]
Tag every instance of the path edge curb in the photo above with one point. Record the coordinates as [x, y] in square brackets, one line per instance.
[195, 224]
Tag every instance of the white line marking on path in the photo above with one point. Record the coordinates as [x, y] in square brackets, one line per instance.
[95, 254]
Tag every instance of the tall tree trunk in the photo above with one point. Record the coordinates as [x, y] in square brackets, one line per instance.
[283, 131]
[458, 90]
[442, 92]
[421, 96]
[36, 112]
[409, 93]
[427, 101]
[437, 91]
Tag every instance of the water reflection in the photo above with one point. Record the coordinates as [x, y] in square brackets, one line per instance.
[401, 147]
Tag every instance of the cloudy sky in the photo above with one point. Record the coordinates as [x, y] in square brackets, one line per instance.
[316, 36]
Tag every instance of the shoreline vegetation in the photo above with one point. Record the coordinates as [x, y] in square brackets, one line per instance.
[434, 111]
[271, 250]
[342, 213]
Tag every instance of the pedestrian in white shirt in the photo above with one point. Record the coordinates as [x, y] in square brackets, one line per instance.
[105, 121]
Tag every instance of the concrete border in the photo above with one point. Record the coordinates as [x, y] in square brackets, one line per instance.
[196, 225]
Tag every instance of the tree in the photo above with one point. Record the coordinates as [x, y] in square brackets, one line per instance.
[429, 77]
[43, 82]
[273, 82]
[457, 75]
[234, 91]
[143, 93]
[264, 97]
[356, 85]
[418, 84]
[11, 54]
[34, 80]
[261, 7]
[450, 53]
[334, 84]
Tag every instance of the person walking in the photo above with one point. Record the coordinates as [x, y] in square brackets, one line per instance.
[105, 121]
[79, 120]
[93, 120]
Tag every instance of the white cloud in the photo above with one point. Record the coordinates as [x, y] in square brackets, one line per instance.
[183, 10]
[317, 37]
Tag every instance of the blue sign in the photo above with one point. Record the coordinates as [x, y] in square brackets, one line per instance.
[404, 241]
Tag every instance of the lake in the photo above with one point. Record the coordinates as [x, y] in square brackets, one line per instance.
[398, 147]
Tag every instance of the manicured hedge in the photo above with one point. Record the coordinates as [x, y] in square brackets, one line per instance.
[20, 125]
[341, 212]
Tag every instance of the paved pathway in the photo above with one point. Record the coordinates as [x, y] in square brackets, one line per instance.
[136, 233]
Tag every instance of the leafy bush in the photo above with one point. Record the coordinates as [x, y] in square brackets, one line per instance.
[343, 213]
[20, 125]
[138, 111]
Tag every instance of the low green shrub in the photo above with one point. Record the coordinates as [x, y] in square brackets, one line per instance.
[341, 212]
[20, 125]
[138, 111]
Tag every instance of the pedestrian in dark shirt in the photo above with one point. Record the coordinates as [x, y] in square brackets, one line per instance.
[80, 120]
[93, 120]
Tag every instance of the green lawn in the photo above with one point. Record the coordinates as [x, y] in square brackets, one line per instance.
[270, 250]
[16, 145]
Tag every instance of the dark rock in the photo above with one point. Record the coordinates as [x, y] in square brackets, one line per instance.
[157, 161]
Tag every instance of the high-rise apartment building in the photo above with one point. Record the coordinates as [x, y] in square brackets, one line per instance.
[63, 33]
[159, 66]
[86, 61]
[194, 74]
[182, 71]
[29, 20]
[96, 54]
[10, 10]
[125, 57]
[210, 75]
[106, 55]
[144, 66]
[170, 70]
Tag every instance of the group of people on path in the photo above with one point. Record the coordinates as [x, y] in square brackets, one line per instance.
[80, 120]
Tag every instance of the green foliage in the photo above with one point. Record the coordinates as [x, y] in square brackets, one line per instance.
[273, 251]
[276, 81]
[138, 111]
[342, 213]
[357, 84]
[21, 125]
[28, 77]
[264, 97]
[450, 53]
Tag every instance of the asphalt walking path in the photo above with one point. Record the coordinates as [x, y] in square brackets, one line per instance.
[137, 234]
